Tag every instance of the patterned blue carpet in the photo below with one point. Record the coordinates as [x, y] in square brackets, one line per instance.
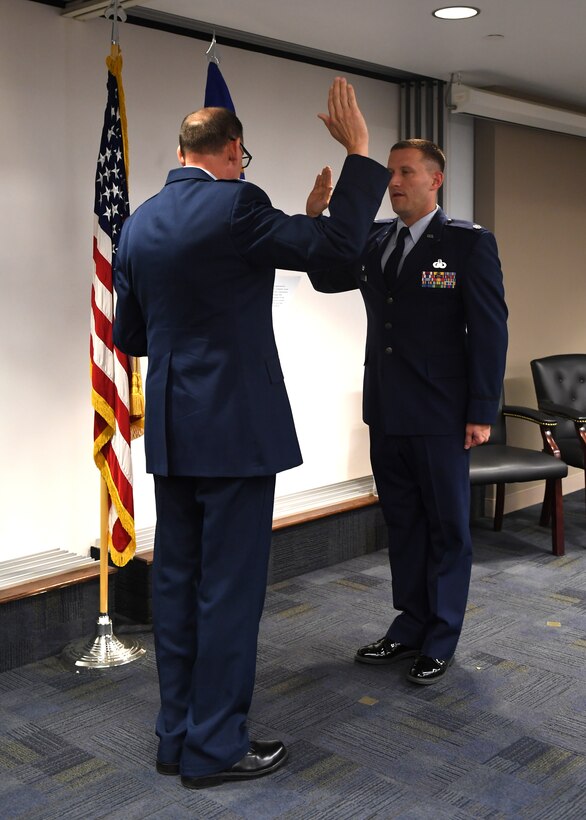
[502, 736]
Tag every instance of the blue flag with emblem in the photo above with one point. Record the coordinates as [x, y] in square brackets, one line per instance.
[217, 94]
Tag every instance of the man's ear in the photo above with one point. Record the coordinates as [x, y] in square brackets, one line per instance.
[233, 152]
[232, 156]
[180, 156]
[438, 180]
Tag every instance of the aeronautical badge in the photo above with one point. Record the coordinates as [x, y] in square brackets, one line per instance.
[439, 277]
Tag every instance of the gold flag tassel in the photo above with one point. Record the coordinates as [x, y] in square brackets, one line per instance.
[136, 401]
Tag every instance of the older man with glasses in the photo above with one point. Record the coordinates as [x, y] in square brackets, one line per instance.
[194, 277]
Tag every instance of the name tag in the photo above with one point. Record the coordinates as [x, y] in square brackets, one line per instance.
[438, 279]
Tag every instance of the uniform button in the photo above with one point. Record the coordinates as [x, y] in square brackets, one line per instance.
[388, 325]
[388, 350]
[389, 300]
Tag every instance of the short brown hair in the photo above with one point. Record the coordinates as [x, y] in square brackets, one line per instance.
[428, 148]
[208, 130]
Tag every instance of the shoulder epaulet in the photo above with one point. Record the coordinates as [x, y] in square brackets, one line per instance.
[463, 223]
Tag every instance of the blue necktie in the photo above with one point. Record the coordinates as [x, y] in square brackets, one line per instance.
[391, 268]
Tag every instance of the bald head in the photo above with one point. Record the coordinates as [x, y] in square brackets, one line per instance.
[208, 130]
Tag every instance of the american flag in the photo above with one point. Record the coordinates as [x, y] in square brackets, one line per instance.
[111, 370]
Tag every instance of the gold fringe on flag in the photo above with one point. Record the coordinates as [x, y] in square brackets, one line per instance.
[127, 521]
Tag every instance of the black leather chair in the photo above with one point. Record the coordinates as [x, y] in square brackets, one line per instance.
[496, 462]
[560, 387]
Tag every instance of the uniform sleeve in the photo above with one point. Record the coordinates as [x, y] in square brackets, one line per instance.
[335, 280]
[341, 278]
[129, 325]
[486, 325]
[266, 236]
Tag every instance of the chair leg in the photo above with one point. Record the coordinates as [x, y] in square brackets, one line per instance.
[557, 518]
[546, 507]
[581, 432]
[499, 507]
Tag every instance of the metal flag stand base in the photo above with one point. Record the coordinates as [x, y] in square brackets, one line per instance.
[105, 651]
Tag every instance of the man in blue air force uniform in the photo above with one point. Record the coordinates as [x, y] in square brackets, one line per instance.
[194, 278]
[435, 358]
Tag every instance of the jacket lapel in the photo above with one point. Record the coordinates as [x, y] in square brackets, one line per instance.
[375, 249]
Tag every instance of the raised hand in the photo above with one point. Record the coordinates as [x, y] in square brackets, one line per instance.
[319, 197]
[344, 119]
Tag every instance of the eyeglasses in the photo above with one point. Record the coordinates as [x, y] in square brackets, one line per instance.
[246, 156]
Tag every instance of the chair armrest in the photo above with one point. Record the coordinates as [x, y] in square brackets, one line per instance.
[516, 411]
[565, 411]
[545, 421]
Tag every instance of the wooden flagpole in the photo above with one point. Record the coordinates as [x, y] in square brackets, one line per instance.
[104, 503]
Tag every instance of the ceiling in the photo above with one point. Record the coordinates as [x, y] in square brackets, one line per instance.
[531, 48]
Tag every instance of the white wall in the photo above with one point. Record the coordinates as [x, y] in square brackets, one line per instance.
[53, 92]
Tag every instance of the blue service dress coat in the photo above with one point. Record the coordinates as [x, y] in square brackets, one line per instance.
[200, 308]
[436, 343]
[435, 359]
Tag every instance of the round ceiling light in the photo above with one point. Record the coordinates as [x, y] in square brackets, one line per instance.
[456, 12]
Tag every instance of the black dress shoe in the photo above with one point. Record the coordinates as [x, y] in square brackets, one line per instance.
[427, 670]
[167, 768]
[384, 651]
[263, 757]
